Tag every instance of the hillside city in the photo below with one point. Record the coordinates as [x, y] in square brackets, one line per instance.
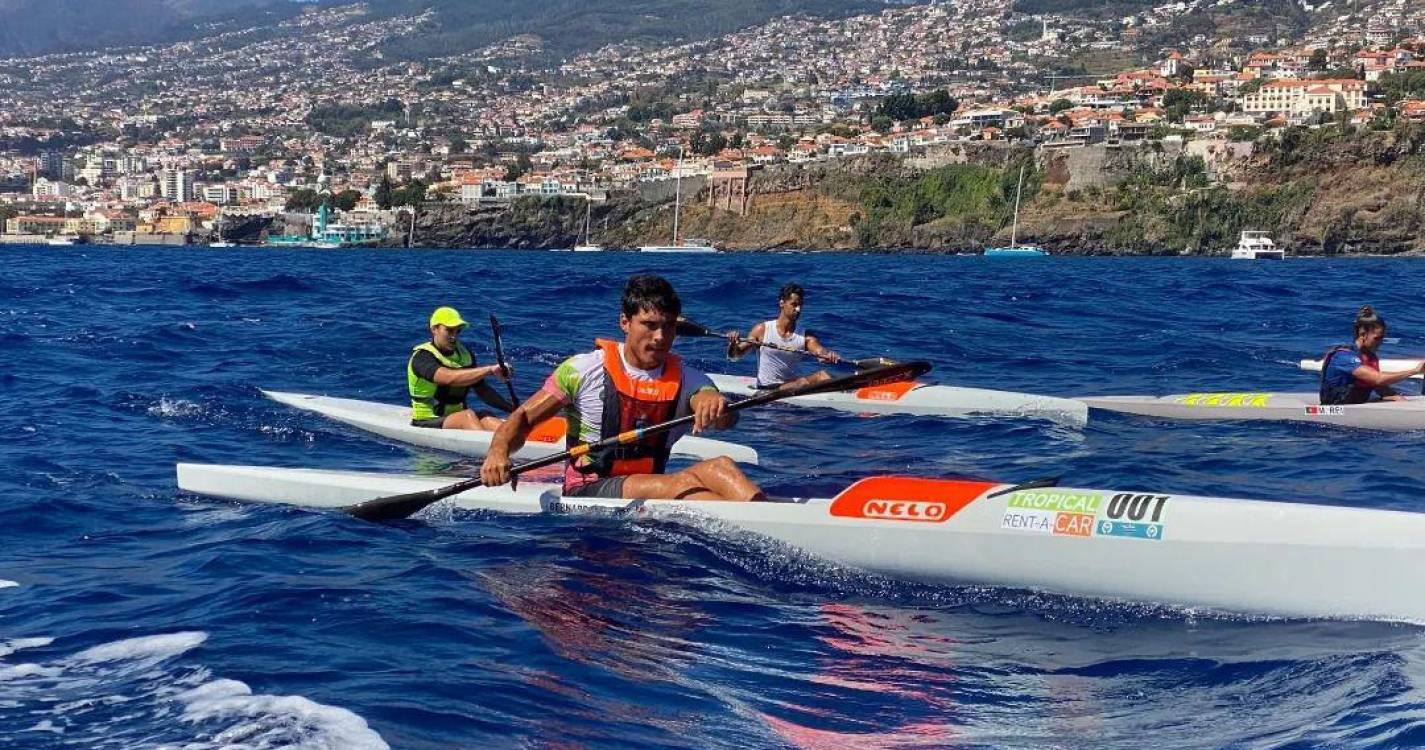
[313, 131]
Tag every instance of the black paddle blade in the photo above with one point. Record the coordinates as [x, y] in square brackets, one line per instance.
[396, 507]
[870, 363]
[687, 327]
[391, 508]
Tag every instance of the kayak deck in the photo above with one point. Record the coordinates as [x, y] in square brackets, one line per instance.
[928, 400]
[1290, 559]
[1266, 406]
[394, 422]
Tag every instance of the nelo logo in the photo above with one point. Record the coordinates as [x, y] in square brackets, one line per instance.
[907, 499]
[905, 510]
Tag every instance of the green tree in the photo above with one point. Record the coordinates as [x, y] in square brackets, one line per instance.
[1059, 105]
[1179, 102]
[882, 123]
[303, 199]
[1318, 59]
[520, 168]
[384, 191]
[411, 194]
[346, 199]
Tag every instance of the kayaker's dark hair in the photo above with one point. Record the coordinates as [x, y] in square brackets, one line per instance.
[648, 291]
[1368, 319]
[788, 289]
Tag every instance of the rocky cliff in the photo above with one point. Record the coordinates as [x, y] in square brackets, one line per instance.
[1316, 191]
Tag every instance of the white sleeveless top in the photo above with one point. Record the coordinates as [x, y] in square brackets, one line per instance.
[774, 367]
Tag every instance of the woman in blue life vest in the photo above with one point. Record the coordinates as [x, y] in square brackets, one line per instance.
[441, 373]
[1350, 374]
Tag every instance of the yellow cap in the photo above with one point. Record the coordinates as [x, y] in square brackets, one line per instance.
[446, 316]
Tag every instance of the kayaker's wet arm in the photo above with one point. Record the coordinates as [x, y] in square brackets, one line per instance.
[742, 345]
[820, 352]
[1377, 379]
[709, 409]
[464, 377]
[512, 435]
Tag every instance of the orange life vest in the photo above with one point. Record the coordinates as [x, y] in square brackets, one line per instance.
[630, 405]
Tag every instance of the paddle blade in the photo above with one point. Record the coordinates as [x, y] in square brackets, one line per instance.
[893, 373]
[870, 363]
[396, 507]
[687, 327]
[391, 508]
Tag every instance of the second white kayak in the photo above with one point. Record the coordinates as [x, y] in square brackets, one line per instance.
[394, 422]
[1289, 407]
[928, 400]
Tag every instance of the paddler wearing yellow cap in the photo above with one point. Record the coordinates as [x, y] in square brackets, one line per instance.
[440, 374]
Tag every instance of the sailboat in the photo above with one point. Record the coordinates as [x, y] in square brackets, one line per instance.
[1016, 250]
[695, 246]
[586, 246]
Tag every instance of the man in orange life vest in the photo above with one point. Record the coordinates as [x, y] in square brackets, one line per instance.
[622, 386]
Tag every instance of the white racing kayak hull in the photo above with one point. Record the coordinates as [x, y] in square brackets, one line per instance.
[928, 400]
[1248, 556]
[1386, 365]
[394, 422]
[1396, 416]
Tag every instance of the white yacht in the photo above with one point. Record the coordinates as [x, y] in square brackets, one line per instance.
[1254, 245]
[690, 245]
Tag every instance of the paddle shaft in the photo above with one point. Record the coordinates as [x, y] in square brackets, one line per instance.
[402, 506]
[500, 360]
[691, 328]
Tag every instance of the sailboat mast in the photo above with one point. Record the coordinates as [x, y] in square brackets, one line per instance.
[588, 205]
[678, 195]
[1014, 229]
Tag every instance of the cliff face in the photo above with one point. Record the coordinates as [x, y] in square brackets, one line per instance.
[1314, 191]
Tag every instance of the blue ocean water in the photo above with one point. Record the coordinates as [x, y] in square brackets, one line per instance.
[132, 615]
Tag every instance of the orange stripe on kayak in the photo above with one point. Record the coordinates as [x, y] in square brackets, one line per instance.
[907, 498]
[886, 392]
[551, 430]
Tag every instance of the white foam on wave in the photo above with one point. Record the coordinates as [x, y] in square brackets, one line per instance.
[271, 721]
[20, 644]
[144, 648]
[4, 584]
[79, 695]
[174, 407]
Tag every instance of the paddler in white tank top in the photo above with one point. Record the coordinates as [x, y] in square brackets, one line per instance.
[775, 366]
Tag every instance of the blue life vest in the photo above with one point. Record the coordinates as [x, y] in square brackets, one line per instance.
[1350, 392]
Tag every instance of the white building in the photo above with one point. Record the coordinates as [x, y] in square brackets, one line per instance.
[221, 195]
[1305, 97]
[176, 185]
[49, 190]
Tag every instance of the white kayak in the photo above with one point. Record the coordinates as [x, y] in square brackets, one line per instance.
[929, 400]
[1289, 407]
[1386, 365]
[1249, 556]
[394, 422]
